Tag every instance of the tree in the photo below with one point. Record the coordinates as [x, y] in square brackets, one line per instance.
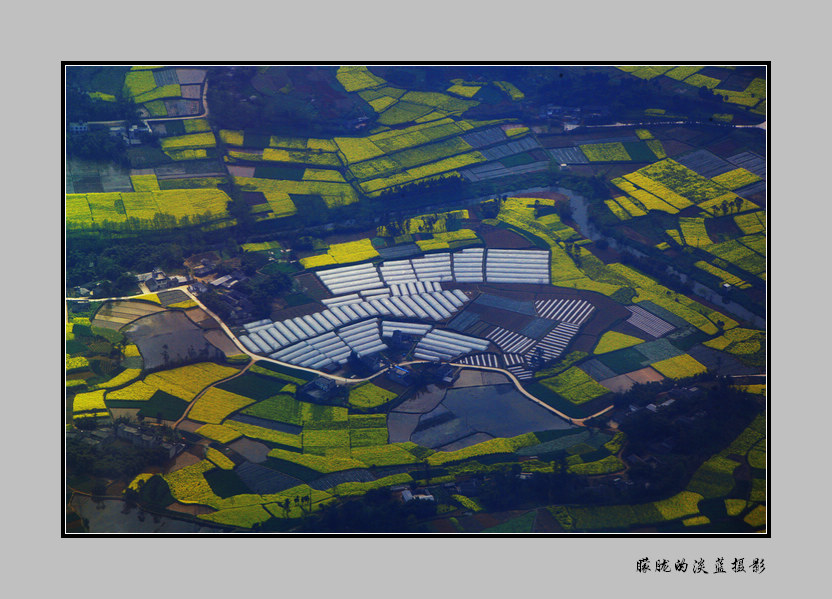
[421, 380]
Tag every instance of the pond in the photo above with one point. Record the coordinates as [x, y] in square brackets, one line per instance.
[471, 414]
[111, 516]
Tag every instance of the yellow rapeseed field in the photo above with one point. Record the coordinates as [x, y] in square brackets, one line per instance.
[219, 432]
[144, 182]
[89, 402]
[231, 138]
[679, 367]
[216, 404]
[355, 78]
[191, 140]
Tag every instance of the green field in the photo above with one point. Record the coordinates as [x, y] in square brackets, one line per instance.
[369, 396]
[611, 341]
[280, 408]
[400, 148]
[163, 405]
[575, 386]
[146, 210]
[254, 385]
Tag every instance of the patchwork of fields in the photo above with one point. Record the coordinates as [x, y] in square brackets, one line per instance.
[274, 440]
[740, 90]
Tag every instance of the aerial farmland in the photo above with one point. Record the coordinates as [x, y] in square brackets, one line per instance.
[463, 299]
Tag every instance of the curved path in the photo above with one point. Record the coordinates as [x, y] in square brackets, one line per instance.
[514, 379]
[202, 114]
[205, 390]
[341, 379]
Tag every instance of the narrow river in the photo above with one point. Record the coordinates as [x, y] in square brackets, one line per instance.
[580, 215]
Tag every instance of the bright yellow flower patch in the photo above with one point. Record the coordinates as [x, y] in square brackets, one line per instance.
[216, 404]
[611, 341]
[679, 367]
[88, 402]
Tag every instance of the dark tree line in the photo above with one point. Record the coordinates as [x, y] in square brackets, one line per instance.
[428, 189]
[97, 260]
[236, 104]
[504, 490]
[81, 107]
[262, 290]
[721, 415]
[112, 461]
[97, 145]
[376, 511]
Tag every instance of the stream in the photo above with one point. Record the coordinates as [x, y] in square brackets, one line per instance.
[580, 214]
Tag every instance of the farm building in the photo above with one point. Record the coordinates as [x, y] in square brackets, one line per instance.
[156, 280]
[417, 494]
[400, 375]
[320, 388]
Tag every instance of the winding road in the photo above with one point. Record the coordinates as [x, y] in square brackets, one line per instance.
[146, 121]
[352, 381]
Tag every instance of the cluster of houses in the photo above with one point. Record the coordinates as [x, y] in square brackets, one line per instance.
[206, 268]
[137, 436]
[571, 117]
[131, 136]
[470, 487]
[239, 306]
[157, 280]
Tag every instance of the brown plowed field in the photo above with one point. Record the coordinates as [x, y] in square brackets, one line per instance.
[522, 292]
[503, 238]
[618, 384]
[192, 92]
[220, 340]
[202, 319]
[469, 378]
[253, 451]
[645, 375]
[190, 76]
[584, 170]
[189, 425]
[183, 459]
